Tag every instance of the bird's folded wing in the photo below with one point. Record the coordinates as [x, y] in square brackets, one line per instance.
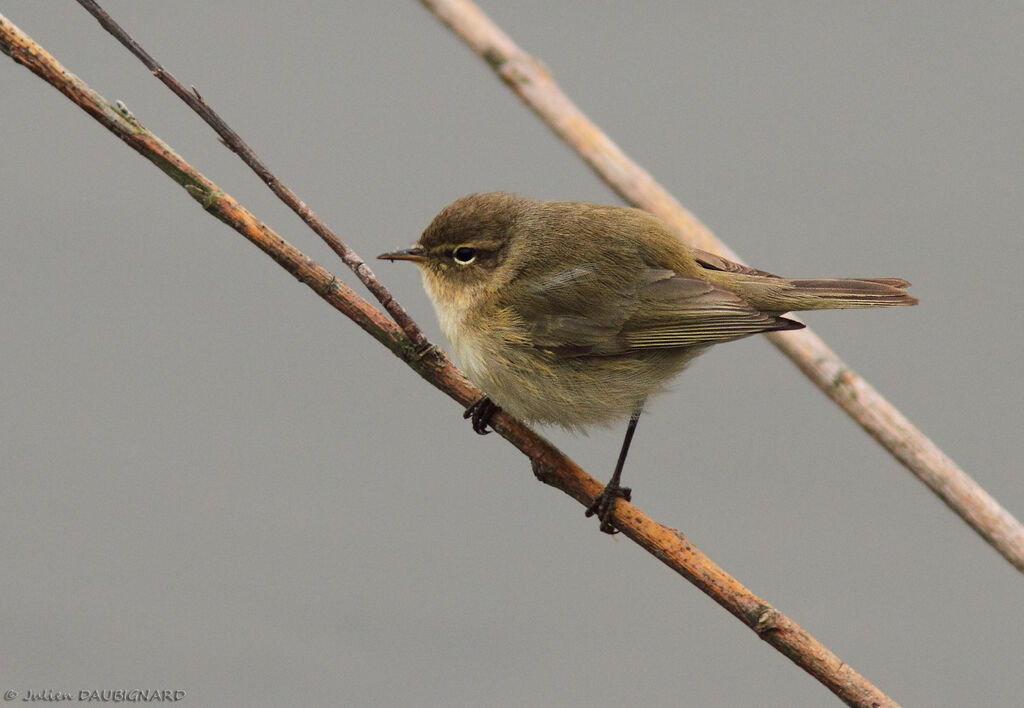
[658, 309]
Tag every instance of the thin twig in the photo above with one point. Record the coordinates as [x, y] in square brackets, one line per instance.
[529, 79]
[234, 142]
[549, 464]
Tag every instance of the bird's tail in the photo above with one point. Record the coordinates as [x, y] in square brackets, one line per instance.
[772, 294]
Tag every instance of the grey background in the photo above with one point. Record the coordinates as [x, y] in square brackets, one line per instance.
[212, 482]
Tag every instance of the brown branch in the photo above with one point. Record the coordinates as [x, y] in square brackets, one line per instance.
[528, 78]
[235, 143]
[549, 464]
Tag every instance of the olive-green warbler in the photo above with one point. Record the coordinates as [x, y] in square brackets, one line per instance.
[575, 314]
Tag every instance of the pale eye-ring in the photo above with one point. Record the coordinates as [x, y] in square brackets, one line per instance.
[464, 255]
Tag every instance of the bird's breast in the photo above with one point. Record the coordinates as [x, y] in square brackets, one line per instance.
[493, 346]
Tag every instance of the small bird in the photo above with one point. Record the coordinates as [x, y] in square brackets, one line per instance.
[575, 314]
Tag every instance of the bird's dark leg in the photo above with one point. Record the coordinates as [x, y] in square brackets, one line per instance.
[604, 503]
[480, 412]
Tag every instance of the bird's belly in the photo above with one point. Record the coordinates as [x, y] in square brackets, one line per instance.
[574, 392]
[542, 386]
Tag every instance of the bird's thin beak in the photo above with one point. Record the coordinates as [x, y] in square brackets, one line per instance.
[406, 254]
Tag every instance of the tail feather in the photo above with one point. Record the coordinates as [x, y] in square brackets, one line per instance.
[785, 295]
[895, 282]
[852, 292]
[772, 294]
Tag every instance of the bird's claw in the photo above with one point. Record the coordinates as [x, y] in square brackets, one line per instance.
[480, 412]
[604, 504]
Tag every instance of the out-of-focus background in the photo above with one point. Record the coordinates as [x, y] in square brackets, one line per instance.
[212, 482]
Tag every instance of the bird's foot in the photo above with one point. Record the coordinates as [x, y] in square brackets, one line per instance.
[604, 505]
[480, 412]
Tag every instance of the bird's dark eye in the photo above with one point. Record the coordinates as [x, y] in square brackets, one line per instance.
[464, 255]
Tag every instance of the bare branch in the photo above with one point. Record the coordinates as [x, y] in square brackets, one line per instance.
[531, 81]
[234, 142]
[550, 465]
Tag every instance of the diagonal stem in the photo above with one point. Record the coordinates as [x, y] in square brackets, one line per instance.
[234, 142]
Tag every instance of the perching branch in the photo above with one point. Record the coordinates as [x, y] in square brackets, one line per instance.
[235, 143]
[534, 85]
[550, 465]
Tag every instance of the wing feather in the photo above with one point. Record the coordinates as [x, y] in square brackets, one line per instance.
[658, 309]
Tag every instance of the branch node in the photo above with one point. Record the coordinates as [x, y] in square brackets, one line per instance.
[494, 58]
[426, 350]
[543, 471]
[843, 377]
[123, 111]
[329, 286]
[359, 267]
[766, 619]
[211, 198]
